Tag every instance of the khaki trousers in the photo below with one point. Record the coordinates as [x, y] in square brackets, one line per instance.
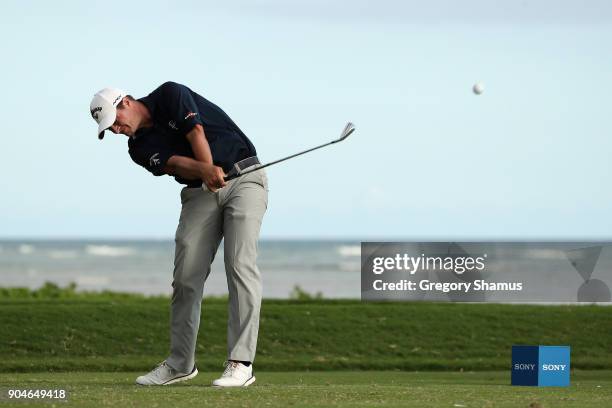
[234, 213]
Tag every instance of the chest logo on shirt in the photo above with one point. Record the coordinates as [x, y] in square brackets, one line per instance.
[190, 115]
[154, 160]
[172, 125]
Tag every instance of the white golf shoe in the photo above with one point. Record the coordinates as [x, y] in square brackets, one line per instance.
[235, 375]
[163, 374]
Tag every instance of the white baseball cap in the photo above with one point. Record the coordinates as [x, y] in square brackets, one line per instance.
[103, 108]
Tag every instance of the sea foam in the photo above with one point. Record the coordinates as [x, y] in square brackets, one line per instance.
[107, 250]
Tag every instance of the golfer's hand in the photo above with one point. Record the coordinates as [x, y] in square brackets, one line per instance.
[213, 177]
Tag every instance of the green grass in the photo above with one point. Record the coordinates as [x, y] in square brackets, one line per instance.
[106, 333]
[94, 345]
[312, 389]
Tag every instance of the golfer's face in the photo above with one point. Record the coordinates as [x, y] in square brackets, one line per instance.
[125, 122]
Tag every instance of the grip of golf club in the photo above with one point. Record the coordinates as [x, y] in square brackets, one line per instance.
[226, 179]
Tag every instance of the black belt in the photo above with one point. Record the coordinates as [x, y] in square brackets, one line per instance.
[237, 168]
[242, 164]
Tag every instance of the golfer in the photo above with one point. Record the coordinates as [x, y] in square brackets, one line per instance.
[177, 132]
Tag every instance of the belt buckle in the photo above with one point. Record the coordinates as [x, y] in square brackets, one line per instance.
[237, 168]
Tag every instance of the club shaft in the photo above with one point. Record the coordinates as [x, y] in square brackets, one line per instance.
[278, 161]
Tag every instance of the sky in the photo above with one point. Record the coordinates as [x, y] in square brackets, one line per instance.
[528, 159]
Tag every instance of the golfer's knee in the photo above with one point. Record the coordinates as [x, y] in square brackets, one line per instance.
[241, 266]
[247, 279]
[187, 264]
[185, 281]
[182, 243]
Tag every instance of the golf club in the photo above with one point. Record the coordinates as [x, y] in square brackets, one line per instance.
[348, 129]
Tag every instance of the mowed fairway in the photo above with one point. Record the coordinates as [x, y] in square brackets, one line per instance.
[308, 389]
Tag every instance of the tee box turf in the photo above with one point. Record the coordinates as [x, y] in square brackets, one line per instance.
[543, 366]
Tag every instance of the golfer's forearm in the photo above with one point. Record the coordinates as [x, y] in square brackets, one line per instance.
[199, 144]
[185, 167]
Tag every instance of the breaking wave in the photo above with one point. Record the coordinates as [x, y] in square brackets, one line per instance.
[107, 250]
[349, 250]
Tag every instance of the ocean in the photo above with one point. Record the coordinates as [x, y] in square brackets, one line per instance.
[331, 268]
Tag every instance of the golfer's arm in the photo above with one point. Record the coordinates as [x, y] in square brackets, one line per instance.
[185, 167]
[199, 144]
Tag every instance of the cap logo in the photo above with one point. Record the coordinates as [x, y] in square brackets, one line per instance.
[94, 112]
[117, 99]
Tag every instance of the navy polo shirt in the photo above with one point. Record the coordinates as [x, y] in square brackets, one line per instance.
[175, 110]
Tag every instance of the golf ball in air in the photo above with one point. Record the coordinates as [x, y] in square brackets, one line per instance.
[478, 88]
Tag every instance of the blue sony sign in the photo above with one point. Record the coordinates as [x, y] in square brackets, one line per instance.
[545, 366]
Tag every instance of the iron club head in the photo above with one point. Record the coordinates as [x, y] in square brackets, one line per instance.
[348, 129]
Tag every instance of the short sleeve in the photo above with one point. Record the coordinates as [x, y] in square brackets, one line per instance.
[152, 159]
[178, 102]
